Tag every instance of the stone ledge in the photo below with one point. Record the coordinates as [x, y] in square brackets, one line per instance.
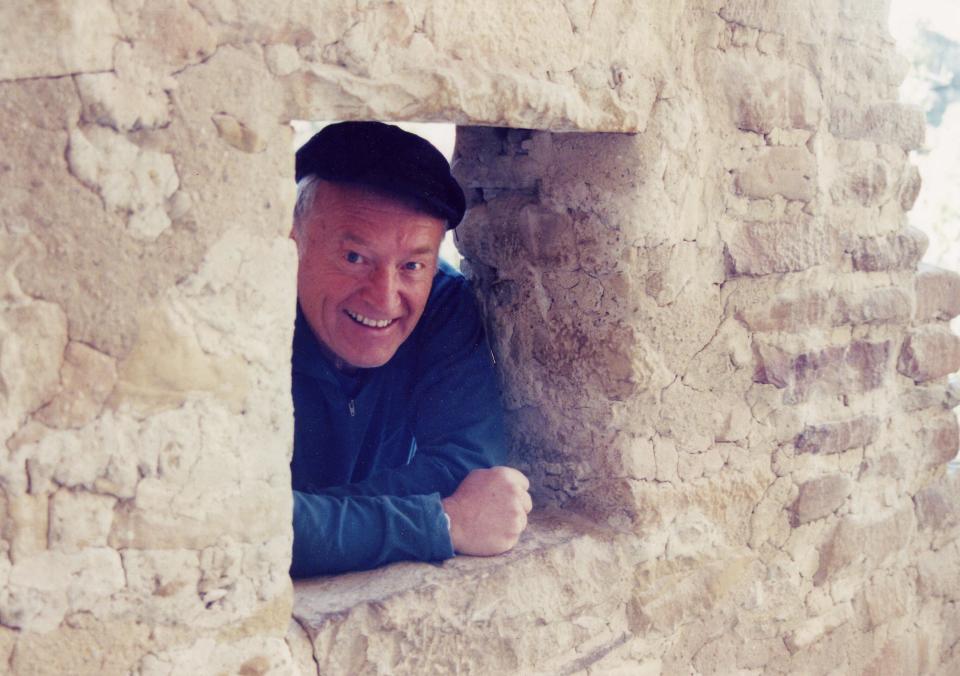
[559, 598]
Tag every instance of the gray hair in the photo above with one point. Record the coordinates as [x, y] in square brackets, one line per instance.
[306, 194]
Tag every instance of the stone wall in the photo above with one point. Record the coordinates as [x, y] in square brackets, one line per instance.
[725, 375]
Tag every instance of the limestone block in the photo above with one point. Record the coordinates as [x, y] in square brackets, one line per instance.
[864, 543]
[887, 596]
[794, 305]
[820, 497]
[237, 134]
[938, 572]
[104, 457]
[814, 628]
[282, 59]
[938, 294]
[898, 251]
[167, 364]
[162, 585]
[869, 183]
[198, 492]
[79, 519]
[26, 525]
[81, 648]
[166, 36]
[790, 172]
[86, 380]
[48, 585]
[252, 656]
[929, 352]
[130, 180]
[57, 38]
[938, 511]
[940, 438]
[836, 437]
[888, 122]
[762, 248]
[130, 98]
[32, 341]
[764, 95]
[861, 366]
[909, 187]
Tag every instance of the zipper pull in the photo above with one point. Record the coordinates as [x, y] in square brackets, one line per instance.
[353, 408]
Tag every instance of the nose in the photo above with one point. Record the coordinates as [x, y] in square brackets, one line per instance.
[383, 291]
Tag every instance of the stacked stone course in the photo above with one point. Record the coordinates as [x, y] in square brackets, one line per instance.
[725, 373]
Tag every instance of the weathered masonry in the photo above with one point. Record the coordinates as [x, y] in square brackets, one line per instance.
[725, 372]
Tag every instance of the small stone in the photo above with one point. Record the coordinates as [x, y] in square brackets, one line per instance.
[941, 440]
[80, 519]
[820, 497]
[790, 172]
[938, 294]
[898, 251]
[860, 366]
[929, 352]
[937, 507]
[762, 248]
[237, 134]
[836, 437]
[86, 379]
[888, 122]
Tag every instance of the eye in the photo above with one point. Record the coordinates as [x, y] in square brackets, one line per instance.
[353, 257]
[413, 266]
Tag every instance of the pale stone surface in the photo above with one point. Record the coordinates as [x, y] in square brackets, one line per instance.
[699, 328]
[132, 182]
[57, 38]
[86, 380]
[929, 352]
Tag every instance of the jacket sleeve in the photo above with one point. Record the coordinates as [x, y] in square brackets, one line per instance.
[458, 415]
[336, 535]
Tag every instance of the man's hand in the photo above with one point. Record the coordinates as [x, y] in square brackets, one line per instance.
[488, 511]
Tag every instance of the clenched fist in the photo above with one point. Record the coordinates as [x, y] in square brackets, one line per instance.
[488, 511]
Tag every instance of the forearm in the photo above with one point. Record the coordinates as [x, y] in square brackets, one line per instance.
[338, 534]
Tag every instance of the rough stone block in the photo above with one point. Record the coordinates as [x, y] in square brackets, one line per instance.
[861, 366]
[762, 248]
[131, 181]
[940, 439]
[25, 528]
[44, 587]
[57, 38]
[789, 172]
[32, 340]
[820, 497]
[86, 380]
[762, 97]
[898, 251]
[864, 542]
[80, 519]
[885, 598]
[888, 122]
[938, 572]
[938, 294]
[938, 507]
[836, 437]
[929, 352]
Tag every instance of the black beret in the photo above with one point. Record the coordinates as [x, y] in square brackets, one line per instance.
[386, 157]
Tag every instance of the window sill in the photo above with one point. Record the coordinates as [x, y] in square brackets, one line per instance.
[558, 599]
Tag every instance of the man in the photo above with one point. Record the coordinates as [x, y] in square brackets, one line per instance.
[398, 425]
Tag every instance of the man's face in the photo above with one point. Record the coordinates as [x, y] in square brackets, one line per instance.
[366, 267]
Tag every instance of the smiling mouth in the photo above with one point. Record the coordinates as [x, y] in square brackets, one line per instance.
[369, 323]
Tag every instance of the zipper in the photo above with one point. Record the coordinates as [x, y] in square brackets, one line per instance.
[352, 407]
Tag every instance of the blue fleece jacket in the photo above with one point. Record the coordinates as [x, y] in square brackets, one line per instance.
[375, 451]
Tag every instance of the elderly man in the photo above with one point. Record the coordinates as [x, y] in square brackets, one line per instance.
[398, 425]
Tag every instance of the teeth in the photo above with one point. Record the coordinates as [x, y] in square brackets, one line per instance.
[373, 323]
